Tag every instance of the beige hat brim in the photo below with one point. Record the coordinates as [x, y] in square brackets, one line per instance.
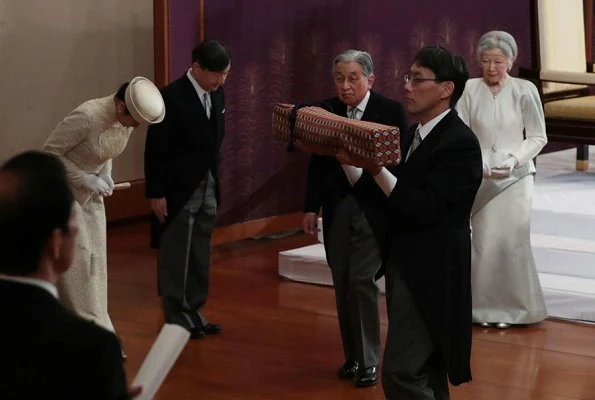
[144, 101]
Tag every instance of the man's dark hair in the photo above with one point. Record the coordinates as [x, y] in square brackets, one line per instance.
[447, 66]
[212, 56]
[37, 203]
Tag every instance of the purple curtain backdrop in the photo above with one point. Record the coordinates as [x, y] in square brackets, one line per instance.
[282, 52]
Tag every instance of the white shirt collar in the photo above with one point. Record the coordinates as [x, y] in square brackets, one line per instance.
[200, 91]
[424, 130]
[361, 107]
[32, 281]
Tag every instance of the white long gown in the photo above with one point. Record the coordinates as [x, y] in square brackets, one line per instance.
[505, 284]
[86, 141]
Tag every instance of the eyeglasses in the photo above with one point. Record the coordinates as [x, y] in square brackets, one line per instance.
[414, 80]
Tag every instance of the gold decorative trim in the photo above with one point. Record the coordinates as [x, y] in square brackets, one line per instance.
[582, 165]
[201, 21]
[161, 27]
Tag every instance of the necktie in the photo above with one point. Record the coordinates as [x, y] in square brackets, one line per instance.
[352, 113]
[207, 104]
[414, 144]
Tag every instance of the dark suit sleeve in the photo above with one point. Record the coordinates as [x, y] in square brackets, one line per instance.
[400, 120]
[455, 172]
[218, 98]
[317, 167]
[313, 200]
[156, 149]
[115, 371]
[105, 377]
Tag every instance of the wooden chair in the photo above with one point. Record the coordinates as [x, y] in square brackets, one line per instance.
[561, 42]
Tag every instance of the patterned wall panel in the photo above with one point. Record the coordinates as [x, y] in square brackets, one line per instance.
[282, 52]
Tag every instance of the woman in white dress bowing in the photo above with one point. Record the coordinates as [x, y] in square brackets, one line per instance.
[507, 116]
[86, 141]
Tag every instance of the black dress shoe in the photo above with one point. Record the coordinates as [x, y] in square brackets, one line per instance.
[211, 329]
[196, 333]
[347, 370]
[366, 377]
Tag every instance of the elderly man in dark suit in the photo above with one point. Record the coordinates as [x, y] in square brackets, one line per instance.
[45, 350]
[354, 222]
[430, 196]
[181, 176]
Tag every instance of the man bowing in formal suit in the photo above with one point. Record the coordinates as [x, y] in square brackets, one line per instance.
[181, 175]
[354, 221]
[430, 195]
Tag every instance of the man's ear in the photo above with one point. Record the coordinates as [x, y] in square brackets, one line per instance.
[54, 245]
[371, 80]
[196, 66]
[448, 88]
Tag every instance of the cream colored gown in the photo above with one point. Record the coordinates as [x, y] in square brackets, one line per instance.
[505, 284]
[86, 141]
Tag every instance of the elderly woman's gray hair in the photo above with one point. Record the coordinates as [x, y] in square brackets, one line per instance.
[361, 57]
[498, 40]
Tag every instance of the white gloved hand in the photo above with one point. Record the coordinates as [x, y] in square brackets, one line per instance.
[96, 185]
[108, 179]
[510, 163]
[505, 169]
[487, 170]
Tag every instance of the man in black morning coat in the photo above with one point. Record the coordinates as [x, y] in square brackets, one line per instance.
[354, 223]
[46, 351]
[182, 184]
[430, 194]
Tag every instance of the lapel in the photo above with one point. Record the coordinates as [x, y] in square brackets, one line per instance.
[194, 106]
[372, 112]
[338, 107]
[218, 112]
[426, 146]
[191, 100]
[406, 140]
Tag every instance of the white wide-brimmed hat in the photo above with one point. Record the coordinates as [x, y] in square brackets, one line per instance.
[144, 101]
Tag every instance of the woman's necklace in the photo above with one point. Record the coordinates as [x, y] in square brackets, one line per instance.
[495, 89]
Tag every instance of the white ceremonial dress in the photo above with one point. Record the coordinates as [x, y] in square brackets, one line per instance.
[505, 284]
[86, 141]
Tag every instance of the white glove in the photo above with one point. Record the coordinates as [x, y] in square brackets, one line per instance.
[95, 184]
[108, 179]
[510, 163]
[505, 169]
[487, 170]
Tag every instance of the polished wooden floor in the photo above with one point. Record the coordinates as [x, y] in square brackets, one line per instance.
[280, 339]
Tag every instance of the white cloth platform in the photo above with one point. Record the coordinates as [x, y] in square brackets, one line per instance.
[308, 265]
[562, 237]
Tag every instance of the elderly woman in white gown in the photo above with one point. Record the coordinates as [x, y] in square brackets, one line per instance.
[506, 115]
[86, 141]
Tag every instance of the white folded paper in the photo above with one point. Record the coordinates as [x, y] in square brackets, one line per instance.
[160, 360]
[122, 185]
[320, 235]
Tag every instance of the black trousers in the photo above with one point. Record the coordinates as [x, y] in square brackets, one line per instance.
[412, 368]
